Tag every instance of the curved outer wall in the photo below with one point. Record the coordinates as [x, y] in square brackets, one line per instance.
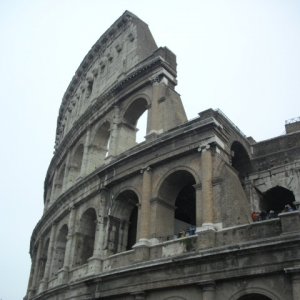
[168, 218]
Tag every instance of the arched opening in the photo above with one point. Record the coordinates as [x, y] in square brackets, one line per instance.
[58, 184]
[134, 117]
[240, 159]
[100, 146]
[86, 237]
[132, 228]
[254, 297]
[60, 249]
[123, 222]
[141, 127]
[43, 260]
[75, 164]
[277, 199]
[178, 201]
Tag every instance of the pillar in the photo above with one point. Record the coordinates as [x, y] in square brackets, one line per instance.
[207, 188]
[199, 205]
[44, 281]
[144, 218]
[113, 143]
[208, 290]
[69, 252]
[99, 238]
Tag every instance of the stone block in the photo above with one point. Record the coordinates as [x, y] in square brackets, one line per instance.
[290, 221]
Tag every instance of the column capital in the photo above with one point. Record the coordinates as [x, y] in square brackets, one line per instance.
[146, 169]
[209, 285]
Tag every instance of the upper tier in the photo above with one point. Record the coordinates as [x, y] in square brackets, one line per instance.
[124, 45]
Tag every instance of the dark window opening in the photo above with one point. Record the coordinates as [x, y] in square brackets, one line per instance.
[131, 239]
[277, 199]
[86, 236]
[254, 297]
[240, 159]
[185, 207]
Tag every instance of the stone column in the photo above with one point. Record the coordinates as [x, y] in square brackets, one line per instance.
[69, 252]
[95, 262]
[34, 283]
[114, 134]
[208, 290]
[144, 222]
[207, 189]
[199, 205]
[44, 281]
[153, 112]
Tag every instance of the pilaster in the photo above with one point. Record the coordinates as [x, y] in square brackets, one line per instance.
[207, 188]
[69, 253]
[208, 290]
[114, 133]
[144, 218]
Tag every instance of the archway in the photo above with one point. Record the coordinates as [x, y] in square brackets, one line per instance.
[86, 237]
[178, 193]
[254, 297]
[60, 249]
[135, 116]
[276, 199]
[58, 184]
[123, 222]
[43, 260]
[240, 159]
[75, 163]
[99, 147]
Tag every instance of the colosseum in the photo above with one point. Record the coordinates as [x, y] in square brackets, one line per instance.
[196, 211]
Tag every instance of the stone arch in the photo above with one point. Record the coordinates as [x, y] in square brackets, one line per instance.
[75, 163]
[255, 292]
[131, 115]
[254, 296]
[85, 237]
[240, 159]
[98, 148]
[176, 201]
[123, 221]
[59, 179]
[276, 199]
[60, 249]
[43, 259]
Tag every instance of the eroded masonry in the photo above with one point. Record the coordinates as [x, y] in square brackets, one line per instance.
[195, 211]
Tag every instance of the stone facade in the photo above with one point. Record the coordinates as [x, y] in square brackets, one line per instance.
[169, 218]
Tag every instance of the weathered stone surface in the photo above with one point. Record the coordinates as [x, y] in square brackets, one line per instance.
[168, 218]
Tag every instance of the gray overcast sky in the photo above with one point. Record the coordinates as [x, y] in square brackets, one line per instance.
[241, 56]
